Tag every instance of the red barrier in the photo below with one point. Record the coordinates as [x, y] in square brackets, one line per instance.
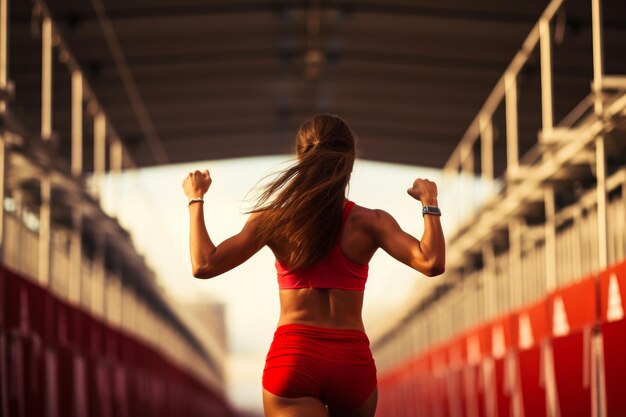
[457, 358]
[537, 359]
[65, 381]
[573, 312]
[531, 382]
[613, 298]
[81, 398]
[57, 360]
[439, 367]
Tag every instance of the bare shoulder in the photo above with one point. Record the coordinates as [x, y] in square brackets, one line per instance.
[253, 221]
[370, 218]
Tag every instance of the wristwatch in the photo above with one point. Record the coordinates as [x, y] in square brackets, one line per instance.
[431, 210]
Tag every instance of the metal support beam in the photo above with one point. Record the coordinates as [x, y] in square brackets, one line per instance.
[99, 149]
[489, 263]
[44, 230]
[97, 283]
[3, 189]
[76, 247]
[601, 197]
[546, 74]
[4, 374]
[486, 148]
[116, 160]
[46, 78]
[598, 54]
[512, 145]
[598, 393]
[467, 159]
[4, 33]
[515, 262]
[598, 388]
[550, 237]
[77, 123]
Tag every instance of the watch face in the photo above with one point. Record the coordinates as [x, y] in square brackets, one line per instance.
[431, 210]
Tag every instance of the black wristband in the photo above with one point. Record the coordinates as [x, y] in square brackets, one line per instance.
[431, 210]
[195, 200]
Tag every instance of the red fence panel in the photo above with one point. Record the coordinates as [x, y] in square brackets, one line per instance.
[613, 298]
[57, 360]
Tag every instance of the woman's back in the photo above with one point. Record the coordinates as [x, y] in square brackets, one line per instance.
[331, 307]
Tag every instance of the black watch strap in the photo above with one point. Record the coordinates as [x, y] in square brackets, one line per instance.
[431, 210]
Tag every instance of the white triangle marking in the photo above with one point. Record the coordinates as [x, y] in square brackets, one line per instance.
[560, 326]
[526, 339]
[473, 349]
[497, 342]
[614, 310]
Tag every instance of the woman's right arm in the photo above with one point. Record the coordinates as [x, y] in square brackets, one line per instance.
[427, 255]
[208, 260]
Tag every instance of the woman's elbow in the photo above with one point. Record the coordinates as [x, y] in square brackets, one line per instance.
[436, 270]
[202, 272]
[433, 269]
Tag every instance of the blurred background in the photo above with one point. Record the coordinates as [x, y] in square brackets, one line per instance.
[516, 109]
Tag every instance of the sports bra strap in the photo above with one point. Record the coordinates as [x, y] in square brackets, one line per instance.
[346, 211]
[344, 216]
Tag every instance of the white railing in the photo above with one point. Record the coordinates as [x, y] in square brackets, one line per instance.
[54, 254]
[537, 257]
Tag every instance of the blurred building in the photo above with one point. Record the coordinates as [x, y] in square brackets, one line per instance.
[212, 317]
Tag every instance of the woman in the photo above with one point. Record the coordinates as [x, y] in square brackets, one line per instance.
[319, 363]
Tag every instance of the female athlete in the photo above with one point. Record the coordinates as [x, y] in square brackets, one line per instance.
[319, 362]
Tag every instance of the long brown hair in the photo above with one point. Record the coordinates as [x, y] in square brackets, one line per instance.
[303, 205]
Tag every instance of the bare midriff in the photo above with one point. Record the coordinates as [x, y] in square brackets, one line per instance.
[322, 307]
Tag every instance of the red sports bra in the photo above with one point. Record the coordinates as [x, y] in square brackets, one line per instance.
[334, 271]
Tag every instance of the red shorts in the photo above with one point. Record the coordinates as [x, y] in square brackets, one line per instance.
[334, 365]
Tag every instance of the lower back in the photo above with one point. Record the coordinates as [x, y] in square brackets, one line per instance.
[333, 308]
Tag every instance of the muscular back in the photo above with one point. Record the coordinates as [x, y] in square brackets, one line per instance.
[332, 307]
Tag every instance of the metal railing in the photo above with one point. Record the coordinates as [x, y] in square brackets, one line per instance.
[505, 256]
[69, 258]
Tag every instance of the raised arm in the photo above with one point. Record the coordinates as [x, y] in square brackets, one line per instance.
[208, 260]
[427, 255]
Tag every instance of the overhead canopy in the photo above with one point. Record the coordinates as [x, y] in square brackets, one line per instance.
[197, 79]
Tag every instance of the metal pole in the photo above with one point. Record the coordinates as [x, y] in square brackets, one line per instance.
[99, 149]
[486, 148]
[467, 180]
[512, 146]
[116, 156]
[598, 54]
[546, 74]
[489, 261]
[4, 394]
[77, 123]
[3, 190]
[44, 230]
[4, 32]
[515, 261]
[550, 237]
[76, 255]
[46, 78]
[598, 386]
[601, 197]
[97, 282]
[467, 159]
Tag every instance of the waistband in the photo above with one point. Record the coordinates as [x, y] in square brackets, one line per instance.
[321, 332]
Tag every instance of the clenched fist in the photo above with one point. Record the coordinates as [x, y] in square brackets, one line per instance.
[197, 183]
[424, 190]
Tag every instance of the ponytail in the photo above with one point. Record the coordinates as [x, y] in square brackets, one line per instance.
[303, 206]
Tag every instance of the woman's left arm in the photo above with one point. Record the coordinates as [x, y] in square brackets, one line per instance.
[208, 260]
